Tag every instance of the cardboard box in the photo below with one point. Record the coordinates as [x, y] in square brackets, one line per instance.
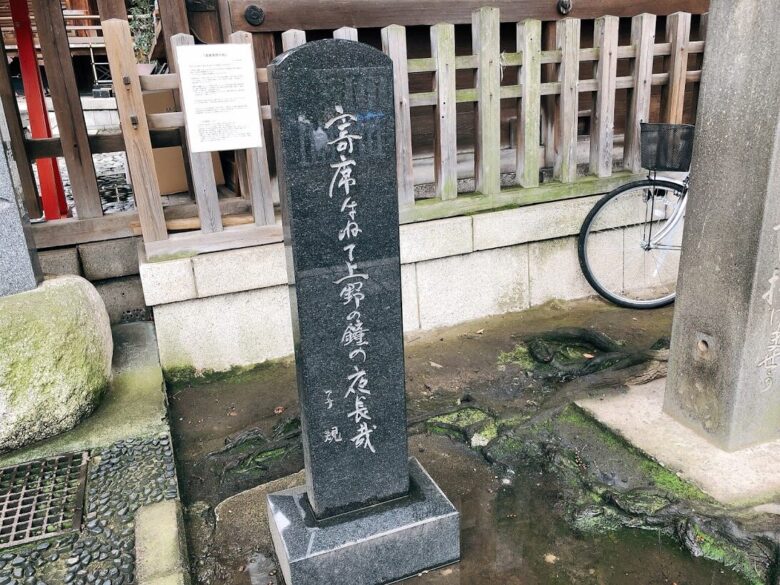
[169, 161]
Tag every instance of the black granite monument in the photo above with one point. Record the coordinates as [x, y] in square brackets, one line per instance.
[368, 514]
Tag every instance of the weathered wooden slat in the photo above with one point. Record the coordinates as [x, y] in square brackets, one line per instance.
[166, 120]
[347, 33]
[293, 38]
[467, 95]
[678, 32]
[70, 231]
[529, 42]
[204, 184]
[445, 150]
[67, 107]
[241, 236]
[10, 111]
[98, 143]
[256, 176]
[318, 14]
[159, 82]
[129, 100]
[225, 27]
[605, 37]
[642, 38]
[111, 9]
[262, 75]
[487, 153]
[567, 34]
[549, 106]
[427, 98]
[394, 46]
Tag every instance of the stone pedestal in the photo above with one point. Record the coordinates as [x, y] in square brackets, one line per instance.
[19, 267]
[724, 379]
[367, 515]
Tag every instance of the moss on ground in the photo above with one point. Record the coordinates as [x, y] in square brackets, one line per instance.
[715, 549]
[188, 376]
[519, 356]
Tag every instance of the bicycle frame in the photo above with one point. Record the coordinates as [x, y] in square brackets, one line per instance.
[671, 223]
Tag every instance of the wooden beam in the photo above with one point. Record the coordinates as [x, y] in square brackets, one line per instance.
[253, 167]
[241, 236]
[642, 38]
[67, 107]
[98, 143]
[678, 34]
[112, 9]
[132, 118]
[568, 41]
[204, 183]
[293, 38]
[69, 232]
[445, 149]
[10, 111]
[281, 15]
[486, 46]
[602, 125]
[394, 46]
[527, 163]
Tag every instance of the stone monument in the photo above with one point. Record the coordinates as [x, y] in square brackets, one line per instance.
[368, 514]
[724, 371]
[19, 267]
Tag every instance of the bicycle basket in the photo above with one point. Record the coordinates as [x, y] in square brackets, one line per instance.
[667, 147]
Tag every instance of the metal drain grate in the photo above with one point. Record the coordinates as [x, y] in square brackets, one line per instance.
[41, 499]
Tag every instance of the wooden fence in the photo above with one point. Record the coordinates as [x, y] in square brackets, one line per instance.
[547, 84]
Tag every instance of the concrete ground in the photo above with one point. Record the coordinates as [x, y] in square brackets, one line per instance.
[749, 476]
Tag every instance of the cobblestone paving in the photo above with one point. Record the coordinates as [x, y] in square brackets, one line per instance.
[122, 478]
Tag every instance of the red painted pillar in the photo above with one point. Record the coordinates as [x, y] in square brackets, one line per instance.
[52, 193]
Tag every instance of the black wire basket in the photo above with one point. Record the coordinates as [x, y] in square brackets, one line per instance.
[667, 147]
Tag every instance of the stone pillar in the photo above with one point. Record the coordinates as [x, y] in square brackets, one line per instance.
[19, 266]
[724, 379]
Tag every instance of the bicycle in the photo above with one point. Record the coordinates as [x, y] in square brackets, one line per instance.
[642, 221]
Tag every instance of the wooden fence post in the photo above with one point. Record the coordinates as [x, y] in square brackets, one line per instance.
[567, 35]
[347, 33]
[135, 130]
[602, 125]
[445, 150]
[487, 154]
[67, 105]
[204, 183]
[643, 41]
[529, 44]
[13, 120]
[253, 165]
[678, 32]
[293, 38]
[394, 46]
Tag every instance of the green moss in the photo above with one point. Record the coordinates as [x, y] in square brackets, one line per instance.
[465, 417]
[174, 256]
[187, 376]
[262, 460]
[519, 356]
[451, 433]
[486, 434]
[716, 550]
[662, 478]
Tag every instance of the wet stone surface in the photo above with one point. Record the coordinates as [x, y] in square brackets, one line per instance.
[122, 478]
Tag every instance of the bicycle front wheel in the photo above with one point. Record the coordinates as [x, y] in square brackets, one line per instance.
[629, 245]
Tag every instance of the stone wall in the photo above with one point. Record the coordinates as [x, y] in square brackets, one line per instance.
[217, 311]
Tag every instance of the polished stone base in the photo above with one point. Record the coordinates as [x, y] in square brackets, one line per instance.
[377, 545]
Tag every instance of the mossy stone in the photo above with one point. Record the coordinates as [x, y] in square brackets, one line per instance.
[55, 359]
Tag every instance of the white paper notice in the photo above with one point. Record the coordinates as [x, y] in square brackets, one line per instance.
[219, 97]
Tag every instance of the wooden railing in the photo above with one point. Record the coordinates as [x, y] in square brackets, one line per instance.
[83, 31]
[554, 102]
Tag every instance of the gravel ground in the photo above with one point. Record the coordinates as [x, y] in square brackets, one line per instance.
[123, 477]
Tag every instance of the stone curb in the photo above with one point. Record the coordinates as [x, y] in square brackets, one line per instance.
[161, 545]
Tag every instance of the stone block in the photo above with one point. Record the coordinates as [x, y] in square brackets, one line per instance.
[461, 288]
[109, 259]
[435, 239]
[221, 273]
[160, 545]
[121, 296]
[554, 271]
[218, 333]
[167, 282]
[378, 545]
[60, 261]
[531, 223]
[411, 311]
